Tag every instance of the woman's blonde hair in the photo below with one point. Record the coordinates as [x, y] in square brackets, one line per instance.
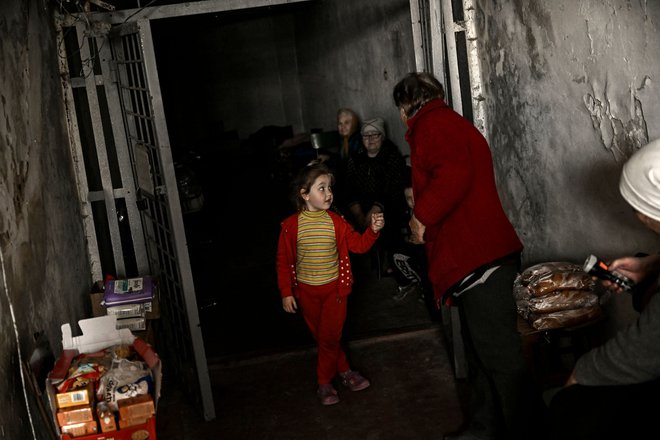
[355, 120]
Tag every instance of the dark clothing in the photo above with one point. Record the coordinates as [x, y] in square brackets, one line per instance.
[632, 356]
[613, 412]
[618, 386]
[354, 144]
[455, 195]
[378, 181]
[502, 402]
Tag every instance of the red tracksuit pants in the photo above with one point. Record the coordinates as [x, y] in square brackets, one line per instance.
[325, 312]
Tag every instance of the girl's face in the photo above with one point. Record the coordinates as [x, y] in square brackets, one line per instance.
[320, 194]
[344, 124]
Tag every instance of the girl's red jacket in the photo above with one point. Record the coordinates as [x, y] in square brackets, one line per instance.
[348, 240]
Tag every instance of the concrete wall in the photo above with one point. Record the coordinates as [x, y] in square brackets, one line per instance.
[44, 276]
[283, 66]
[571, 91]
[351, 54]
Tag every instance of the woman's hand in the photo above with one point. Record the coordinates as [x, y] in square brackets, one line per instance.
[289, 304]
[417, 230]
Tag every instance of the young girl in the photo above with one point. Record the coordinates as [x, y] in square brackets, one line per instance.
[314, 271]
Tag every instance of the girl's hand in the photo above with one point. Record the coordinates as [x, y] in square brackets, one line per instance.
[377, 221]
[289, 304]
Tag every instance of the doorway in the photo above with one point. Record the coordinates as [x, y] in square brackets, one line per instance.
[229, 149]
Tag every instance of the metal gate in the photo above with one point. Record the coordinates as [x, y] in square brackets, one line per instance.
[126, 182]
[158, 201]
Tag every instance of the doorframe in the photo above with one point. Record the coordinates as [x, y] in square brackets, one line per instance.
[445, 42]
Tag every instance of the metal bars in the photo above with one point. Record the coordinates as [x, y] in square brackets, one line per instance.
[167, 252]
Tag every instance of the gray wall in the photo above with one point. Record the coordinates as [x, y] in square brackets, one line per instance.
[45, 276]
[571, 91]
[283, 66]
[351, 54]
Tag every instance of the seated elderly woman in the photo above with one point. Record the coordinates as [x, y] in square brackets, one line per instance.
[348, 126]
[374, 183]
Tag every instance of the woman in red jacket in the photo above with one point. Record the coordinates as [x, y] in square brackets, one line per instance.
[473, 255]
[314, 271]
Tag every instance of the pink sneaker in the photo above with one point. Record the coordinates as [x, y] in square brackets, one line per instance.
[354, 381]
[327, 394]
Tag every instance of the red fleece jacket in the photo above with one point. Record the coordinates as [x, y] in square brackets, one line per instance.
[348, 240]
[455, 196]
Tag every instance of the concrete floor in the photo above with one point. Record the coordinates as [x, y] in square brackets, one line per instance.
[262, 360]
[413, 395]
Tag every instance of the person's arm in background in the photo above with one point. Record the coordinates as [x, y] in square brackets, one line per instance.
[638, 269]
[631, 356]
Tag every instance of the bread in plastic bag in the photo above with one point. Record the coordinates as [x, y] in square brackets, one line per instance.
[562, 300]
[565, 318]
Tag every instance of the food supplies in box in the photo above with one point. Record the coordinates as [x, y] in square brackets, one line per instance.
[135, 323]
[100, 334]
[127, 310]
[128, 291]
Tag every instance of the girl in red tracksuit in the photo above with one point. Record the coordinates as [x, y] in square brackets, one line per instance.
[314, 272]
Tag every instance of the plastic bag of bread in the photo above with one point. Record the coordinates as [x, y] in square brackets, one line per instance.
[543, 269]
[560, 280]
[565, 318]
[562, 300]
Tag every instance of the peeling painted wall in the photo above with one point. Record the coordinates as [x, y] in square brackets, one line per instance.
[572, 90]
[45, 278]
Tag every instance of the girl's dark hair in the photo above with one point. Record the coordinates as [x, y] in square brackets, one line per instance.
[415, 90]
[304, 180]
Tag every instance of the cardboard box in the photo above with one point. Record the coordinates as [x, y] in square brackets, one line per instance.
[75, 414]
[136, 310]
[134, 324]
[97, 334]
[106, 417]
[77, 397]
[128, 291]
[141, 406]
[96, 300]
[80, 429]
